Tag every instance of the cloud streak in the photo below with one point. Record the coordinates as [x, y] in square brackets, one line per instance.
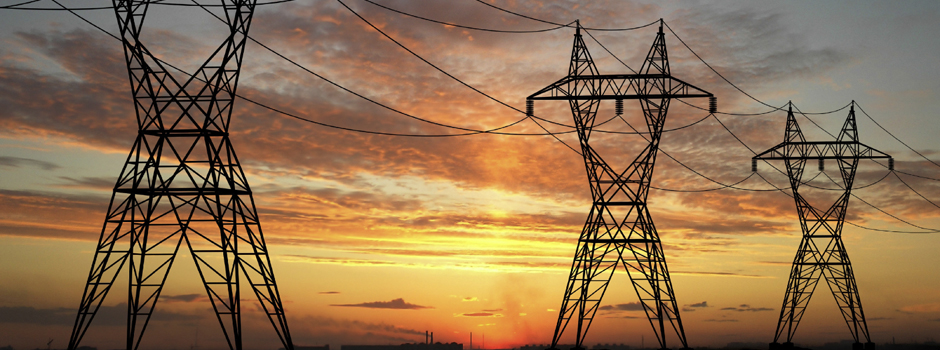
[634, 306]
[746, 308]
[397, 304]
[21, 162]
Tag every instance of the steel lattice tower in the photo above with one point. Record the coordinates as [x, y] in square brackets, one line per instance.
[182, 185]
[619, 228]
[821, 252]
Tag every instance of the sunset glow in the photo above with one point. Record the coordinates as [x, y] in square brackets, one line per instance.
[376, 239]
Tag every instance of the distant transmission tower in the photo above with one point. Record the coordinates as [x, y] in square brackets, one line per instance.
[821, 252]
[182, 185]
[619, 229]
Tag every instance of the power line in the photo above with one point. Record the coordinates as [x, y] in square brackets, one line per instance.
[915, 191]
[468, 85]
[889, 214]
[664, 152]
[729, 81]
[895, 137]
[160, 2]
[885, 176]
[914, 175]
[389, 37]
[465, 84]
[448, 74]
[97, 8]
[813, 121]
[469, 27]
[680, 100]
[805, 114]
[731, 186]
[504, 104]
[424, 60]
[491, 97]
[863, 201]
[276, 110]
[19, 4]
[386, 35]
[782, 191]
[777, 108]
[704, 190]
[723, 186]
[773, 109]
[469, 131]
[608, 51]
[392, 109]
[565, 25]
[493, 131]
[713, 69]
[882, 128]
[694, 171]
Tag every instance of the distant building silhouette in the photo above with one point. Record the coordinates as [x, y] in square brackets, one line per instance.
[545, 346]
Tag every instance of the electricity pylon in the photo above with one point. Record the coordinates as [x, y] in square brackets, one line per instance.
[619, 228]
[182, 184]
[821, 252]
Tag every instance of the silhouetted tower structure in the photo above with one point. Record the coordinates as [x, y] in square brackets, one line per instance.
[619, 228]
[821, 252]
[182, 185]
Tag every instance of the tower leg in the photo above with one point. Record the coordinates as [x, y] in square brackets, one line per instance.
[841, 282]
[125, 223]
[152, 252]
[241, 252]
[804, 276]
[587, 282]
[646, 264]
[110, 257]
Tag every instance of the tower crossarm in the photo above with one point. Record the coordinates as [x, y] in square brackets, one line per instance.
[821, 150]
[618, 87]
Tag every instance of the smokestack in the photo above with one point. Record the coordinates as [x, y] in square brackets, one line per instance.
[432, 338]
[471, 340]
[425, 337]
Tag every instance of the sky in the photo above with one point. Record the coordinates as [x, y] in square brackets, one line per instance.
[376, 239]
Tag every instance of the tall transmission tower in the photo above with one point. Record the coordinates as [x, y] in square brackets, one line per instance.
[619, 228]
[821, 252]
[182, 185]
